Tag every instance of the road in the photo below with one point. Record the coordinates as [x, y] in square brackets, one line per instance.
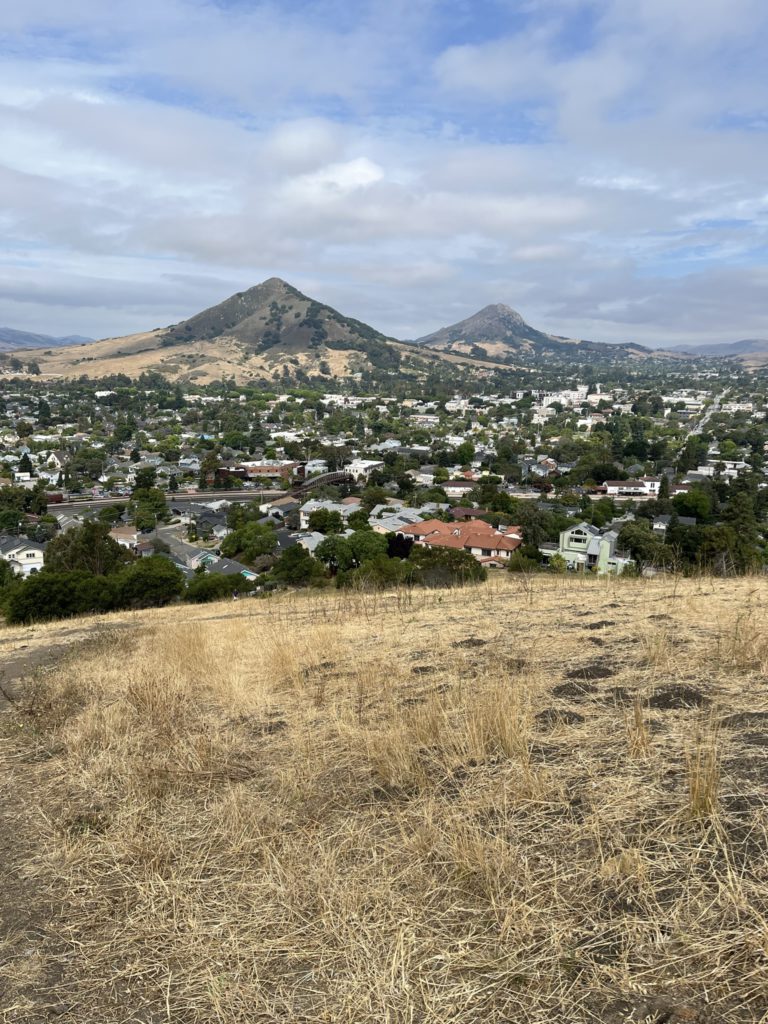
[176, 499]
[698, 428]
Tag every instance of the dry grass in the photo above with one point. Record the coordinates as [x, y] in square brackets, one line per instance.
[528, 802]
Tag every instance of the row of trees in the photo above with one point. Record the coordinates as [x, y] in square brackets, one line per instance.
[87, 571]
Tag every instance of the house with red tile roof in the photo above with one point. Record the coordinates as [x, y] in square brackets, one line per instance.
[481, 539]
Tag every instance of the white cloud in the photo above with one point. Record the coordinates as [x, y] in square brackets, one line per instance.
[606, 187]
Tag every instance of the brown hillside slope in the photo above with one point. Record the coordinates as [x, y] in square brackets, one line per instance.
[252, 334]
[531, 801]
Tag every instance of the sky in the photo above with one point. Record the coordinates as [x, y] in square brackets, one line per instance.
[599, 165]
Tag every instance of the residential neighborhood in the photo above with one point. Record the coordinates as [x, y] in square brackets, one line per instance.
[599, 477]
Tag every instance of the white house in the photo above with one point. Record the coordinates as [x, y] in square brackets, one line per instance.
[361, 469]
[24, 556]
[458, 488]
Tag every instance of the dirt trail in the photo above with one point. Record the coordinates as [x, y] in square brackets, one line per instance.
[32, 954]
[25, 651]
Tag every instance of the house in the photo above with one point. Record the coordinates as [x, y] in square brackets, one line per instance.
[309, 541]
[126, 536]
[458, 488]
[279, 508]
[57, 460]
[226, 567]
[395, 522]
[584, 546]
[24, 556]
[479, 538]
[344, 508]
[464, 512]
[626, 488]
[361, 469]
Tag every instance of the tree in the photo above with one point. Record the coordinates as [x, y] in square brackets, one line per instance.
[323, 520]
[10, 518]
[739, 513]
[7, 575]
[296, 566]
[144, 518]
[336, 553]
[145, 478]
[377, 573]
[88, 548]
[695, 502]
[149, 583]
[465, 453]
[359, 520]
[110, 514]
[663, 502]
[366, 545]
[558, 564]
[209, 470]
[25, 464]
[148, 504]
[644, 547]
[250, 541]
[521, 562]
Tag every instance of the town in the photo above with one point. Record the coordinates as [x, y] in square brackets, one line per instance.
[224, 480]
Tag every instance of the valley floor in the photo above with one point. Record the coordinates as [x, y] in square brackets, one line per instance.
[530, 801]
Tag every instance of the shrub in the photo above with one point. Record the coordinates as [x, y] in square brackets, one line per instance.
[58, 595]
[445, 567]
[149, 583]
[211, 587]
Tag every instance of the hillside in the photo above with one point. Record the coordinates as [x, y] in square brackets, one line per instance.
[254, 333]
[499, 332]
[11, 340]
[394, 810]
[273, 328]
[749, 348]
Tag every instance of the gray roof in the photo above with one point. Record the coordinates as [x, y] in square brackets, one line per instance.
[228, 567]
[9, 543]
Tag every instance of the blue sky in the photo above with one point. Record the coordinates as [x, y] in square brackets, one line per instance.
[597, 164]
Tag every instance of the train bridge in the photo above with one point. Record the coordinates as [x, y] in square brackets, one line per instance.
[321, 481]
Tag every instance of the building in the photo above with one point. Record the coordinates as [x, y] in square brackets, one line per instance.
[361, 469]
[586, 547]
[480, 539]
[24, 556]
[270, 469]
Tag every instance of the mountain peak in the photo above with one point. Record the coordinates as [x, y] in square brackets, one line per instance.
[275, 320]
[495, 324]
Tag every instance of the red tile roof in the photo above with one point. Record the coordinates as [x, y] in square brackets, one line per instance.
[425, 528]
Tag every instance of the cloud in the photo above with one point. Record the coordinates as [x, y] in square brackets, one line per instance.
[597, 164]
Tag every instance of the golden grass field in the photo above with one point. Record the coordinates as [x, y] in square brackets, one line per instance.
[530, 801]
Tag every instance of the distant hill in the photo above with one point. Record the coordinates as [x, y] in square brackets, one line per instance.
[728, 349]
[264, 332]
[273, 331]
[10, 340]
[500, 333]
[274, 319]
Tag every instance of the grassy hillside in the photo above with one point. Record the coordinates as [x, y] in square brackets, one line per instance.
[527, 802]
